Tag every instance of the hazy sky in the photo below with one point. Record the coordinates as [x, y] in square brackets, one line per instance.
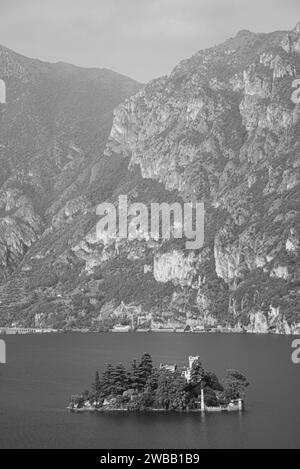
[140, 38]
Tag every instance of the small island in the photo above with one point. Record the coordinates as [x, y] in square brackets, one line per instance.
[144, 387]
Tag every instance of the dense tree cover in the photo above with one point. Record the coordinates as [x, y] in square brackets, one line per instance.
[258, 291]
[143, 386]
[235, 384]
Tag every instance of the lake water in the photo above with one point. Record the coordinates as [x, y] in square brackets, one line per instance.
[43, 371]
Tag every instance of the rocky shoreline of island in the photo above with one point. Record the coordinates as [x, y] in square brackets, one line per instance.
[164, 388]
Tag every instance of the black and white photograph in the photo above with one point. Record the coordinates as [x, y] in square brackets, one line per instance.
[149, 228]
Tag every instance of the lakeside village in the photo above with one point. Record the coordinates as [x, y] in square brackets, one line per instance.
[126, 318]
[144, 387]
[15, 330]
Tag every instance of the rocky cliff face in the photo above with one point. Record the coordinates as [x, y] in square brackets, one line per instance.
[221, 129]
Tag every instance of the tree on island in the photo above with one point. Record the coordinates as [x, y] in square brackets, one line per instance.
[211, 380]
[107, 380]
[96, 387]
[210, 397]
[178, 393]
[146, 366]
[118, 379]
[152, 381]
[197, 372]
[141, 372]
[235, 384]
[171, 392]
[162, 392]
[206, 380]
[134, 378]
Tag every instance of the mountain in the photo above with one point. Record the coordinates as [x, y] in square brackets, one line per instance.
[221, 129]
[53, 126]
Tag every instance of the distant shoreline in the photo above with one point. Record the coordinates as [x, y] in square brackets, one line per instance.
[31, 331]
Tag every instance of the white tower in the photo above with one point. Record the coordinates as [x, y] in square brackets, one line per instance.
[192, 360]
[241, 404]
[202, 400]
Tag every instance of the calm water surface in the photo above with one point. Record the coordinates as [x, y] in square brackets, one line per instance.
[43, 371]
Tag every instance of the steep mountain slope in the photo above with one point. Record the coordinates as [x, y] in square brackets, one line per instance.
[53, 126]
[222, 129]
